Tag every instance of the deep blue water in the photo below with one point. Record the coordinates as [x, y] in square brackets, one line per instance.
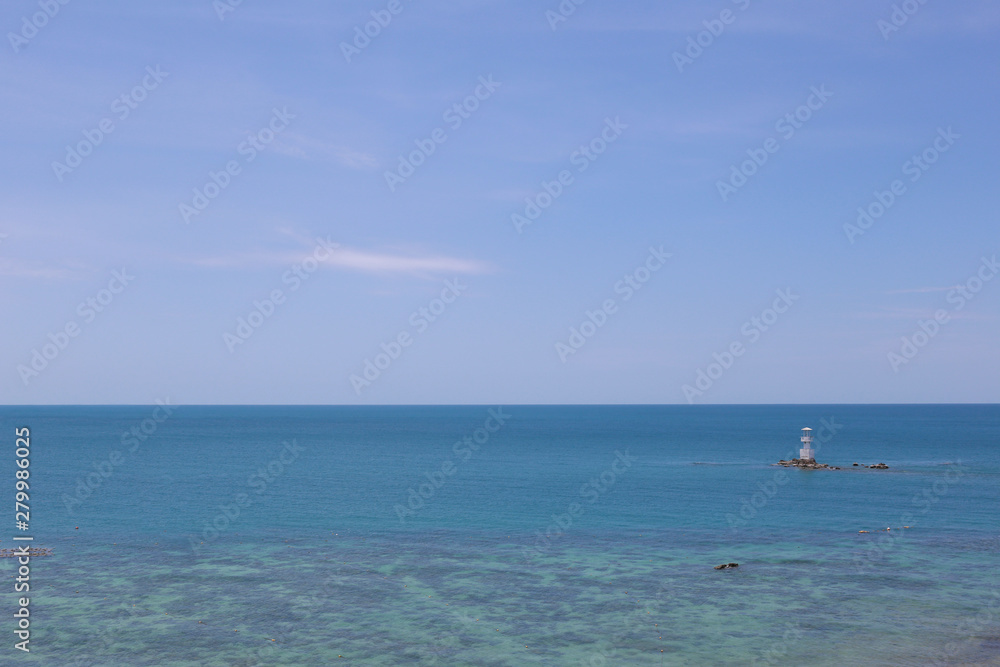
[380, 534]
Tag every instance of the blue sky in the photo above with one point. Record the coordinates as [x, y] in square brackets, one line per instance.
[661, 133]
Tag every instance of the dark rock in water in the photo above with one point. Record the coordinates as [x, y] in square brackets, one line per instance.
[805, 464]
[726, 566]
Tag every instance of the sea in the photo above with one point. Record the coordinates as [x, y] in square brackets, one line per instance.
[504, 535]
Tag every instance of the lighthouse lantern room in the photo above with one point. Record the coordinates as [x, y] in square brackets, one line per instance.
[807, 453]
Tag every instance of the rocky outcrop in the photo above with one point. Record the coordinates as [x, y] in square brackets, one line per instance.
[806, 465]
[812, 465]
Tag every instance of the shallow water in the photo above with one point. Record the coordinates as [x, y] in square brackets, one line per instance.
[328, 557]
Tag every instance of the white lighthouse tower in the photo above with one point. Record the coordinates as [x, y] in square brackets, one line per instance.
[807, 453]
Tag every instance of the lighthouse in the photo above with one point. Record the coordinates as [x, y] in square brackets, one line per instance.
[807, 453]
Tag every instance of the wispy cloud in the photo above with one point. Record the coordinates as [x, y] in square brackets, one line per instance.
[308, 148]
[921, 290]
[348, 259]
[918, 313]
[380, 263]
[14, 268]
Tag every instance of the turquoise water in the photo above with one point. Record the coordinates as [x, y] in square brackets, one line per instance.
[565, 536]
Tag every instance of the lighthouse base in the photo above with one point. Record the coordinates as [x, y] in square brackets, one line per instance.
[806, 464]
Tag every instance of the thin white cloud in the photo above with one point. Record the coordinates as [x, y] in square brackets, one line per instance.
[914, 314]
[348, 259]
[355, 159]
[304, 147]
[374, 262]
[13, 268]
[921, 290]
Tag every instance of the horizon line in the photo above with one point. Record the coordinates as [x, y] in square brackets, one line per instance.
[459, 405]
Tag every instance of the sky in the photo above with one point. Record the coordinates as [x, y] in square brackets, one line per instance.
[474, 201]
